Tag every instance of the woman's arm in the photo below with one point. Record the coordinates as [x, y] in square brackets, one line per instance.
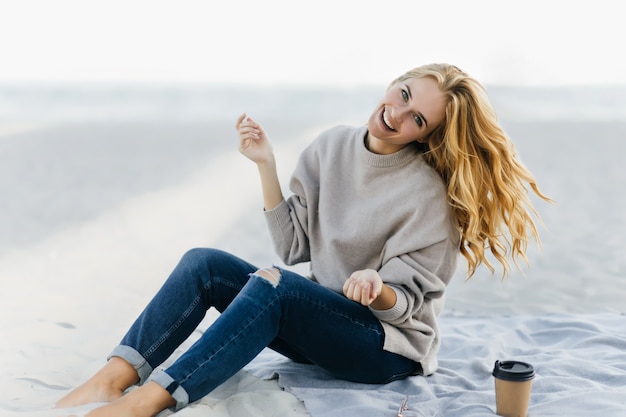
[254, 143]
[272, 193]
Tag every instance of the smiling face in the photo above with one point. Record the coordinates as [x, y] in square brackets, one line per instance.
[408, 112]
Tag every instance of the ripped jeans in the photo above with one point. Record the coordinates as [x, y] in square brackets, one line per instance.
[284, 311]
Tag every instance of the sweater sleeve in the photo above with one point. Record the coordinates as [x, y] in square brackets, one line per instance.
[422, 274]
[288, 223]
[416, 278]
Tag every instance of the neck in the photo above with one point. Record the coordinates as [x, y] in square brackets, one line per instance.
[377, 146]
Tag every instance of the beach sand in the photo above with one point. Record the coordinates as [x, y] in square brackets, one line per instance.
[72, 285]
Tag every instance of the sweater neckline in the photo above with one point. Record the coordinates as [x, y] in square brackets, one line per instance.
[408, 153]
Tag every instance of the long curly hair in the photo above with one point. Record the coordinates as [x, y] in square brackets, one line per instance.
[486, 181]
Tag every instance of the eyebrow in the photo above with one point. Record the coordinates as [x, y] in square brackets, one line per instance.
[408, 90]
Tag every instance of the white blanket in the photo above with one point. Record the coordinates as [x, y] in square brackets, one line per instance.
[579, 360]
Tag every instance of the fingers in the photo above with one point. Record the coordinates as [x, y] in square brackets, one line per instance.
[248, 127]
[359, 291]
[363, 286]
[366, 291]
[245, 121]
[348, 288]
[239, 120]
[249, 133]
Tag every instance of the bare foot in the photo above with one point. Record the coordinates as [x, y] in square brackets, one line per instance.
[108, 384]
[89, 392]
[145, 401]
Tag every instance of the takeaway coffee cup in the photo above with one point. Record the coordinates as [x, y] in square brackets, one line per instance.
[513, 381]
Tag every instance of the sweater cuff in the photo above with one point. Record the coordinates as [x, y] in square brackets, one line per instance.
[278, 216]
[395, 312]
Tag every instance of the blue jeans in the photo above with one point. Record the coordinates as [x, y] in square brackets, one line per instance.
[296, 317]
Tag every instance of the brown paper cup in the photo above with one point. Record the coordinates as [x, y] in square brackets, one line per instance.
[513, 382]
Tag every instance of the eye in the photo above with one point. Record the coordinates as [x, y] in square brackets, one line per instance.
[418, 120]
[405, 95]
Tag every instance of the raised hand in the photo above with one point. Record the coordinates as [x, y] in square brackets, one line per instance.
[254, 142]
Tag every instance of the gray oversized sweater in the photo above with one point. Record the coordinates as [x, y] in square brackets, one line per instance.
[352, 209]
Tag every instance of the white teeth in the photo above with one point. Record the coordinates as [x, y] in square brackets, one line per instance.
[386, 121]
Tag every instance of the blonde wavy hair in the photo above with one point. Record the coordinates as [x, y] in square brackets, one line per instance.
[486, 181]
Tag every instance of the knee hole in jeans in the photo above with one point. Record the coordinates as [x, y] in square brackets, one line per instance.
[270, 274]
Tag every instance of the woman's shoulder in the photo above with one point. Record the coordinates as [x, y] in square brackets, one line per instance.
[338, 136]
[334, 141]
[339, 132]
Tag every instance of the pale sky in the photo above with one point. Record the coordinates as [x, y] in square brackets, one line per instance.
[332, 42]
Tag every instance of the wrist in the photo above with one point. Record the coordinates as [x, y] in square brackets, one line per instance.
[268, 162]
[385, 300]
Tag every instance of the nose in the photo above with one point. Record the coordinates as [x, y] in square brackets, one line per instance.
[397, 114]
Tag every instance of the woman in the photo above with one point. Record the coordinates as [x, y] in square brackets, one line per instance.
[380, 211]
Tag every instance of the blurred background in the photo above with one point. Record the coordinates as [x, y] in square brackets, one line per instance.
[339, 43]
[117, 147]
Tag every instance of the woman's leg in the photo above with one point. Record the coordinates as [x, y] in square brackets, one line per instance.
[288, 312]
[107, 384]
[203, 278]
[275, 308]
[339, 335]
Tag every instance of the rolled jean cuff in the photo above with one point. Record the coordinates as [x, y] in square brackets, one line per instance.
[133, 357]
[176, 391]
